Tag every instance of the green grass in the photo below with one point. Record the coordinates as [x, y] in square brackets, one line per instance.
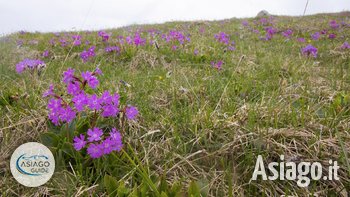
[198, 124]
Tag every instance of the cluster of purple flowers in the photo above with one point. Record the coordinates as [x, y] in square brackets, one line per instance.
[30, 64]
[87, 54]
[270, 31]
[45, 53]
[288, 33]
[112, 49]
[316, 35]
[333, 24]
[345, 45]
[224, 38]
[107, 105]
[104, 35]
[178, 36]
[136, 40]
[217, 65]
[309, 50]
[97, 143]
[76, 40]
[332, 36]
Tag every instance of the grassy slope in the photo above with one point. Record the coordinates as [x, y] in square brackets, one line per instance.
[268, 99]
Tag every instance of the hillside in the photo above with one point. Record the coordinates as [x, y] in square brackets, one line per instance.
[195, 104]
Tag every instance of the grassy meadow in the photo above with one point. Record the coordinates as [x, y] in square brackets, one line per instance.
[200, 126]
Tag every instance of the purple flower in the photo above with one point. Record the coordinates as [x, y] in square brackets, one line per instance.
[90, 79]
[95, 151]
[115, 134]
[288, 33]
[195, 52]
[79, 142]
[94, 134]
[49, 92]
[131, 112]
[103, 35]
[109, 110]
[315, 36]
[112, 49]
[115, 99]
[45, 53]
[73, 88]
[222, 37]
[245, 23]
[86, 55]
[67, 114]
[301, 39]
[54, 104]
[94, 102]
[345, 45]
[331, 36]
[138, 41]
[80, 101]
[68, 76]
[309, 50]
[116, 138]
[98, 71]
[29, 64]
[333, 24]
[76, 40]
[217, 65]
[107, 146]
[106, 97]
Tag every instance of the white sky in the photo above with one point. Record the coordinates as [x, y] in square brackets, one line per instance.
[59, 15]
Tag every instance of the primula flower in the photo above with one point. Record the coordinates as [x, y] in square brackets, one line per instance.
[73, 88]
[333, 24]
[95, 151]
[107, 146]
[222, 37]
[131, 112]
[87, 54]
[80, 101]
[76, 40]
[345, 45]
[103, 35]
[49, 92]
[90, 79]
[112, 49]
[309, 50]
[301, 39]
[68, 75]
[331, 36]
[217, 65]
[29, 64]
[67, 114]
[109, 110]
[288, 33]
[94, 134]
[45, 53]
[315, 36]
[79, 142]
[94, 103]
[138, 41]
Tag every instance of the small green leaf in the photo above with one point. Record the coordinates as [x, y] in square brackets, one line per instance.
[194, 190]
[122, 190]
[49, 139]
[111, 185]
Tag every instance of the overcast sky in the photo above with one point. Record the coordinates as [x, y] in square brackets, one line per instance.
[59, 15]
